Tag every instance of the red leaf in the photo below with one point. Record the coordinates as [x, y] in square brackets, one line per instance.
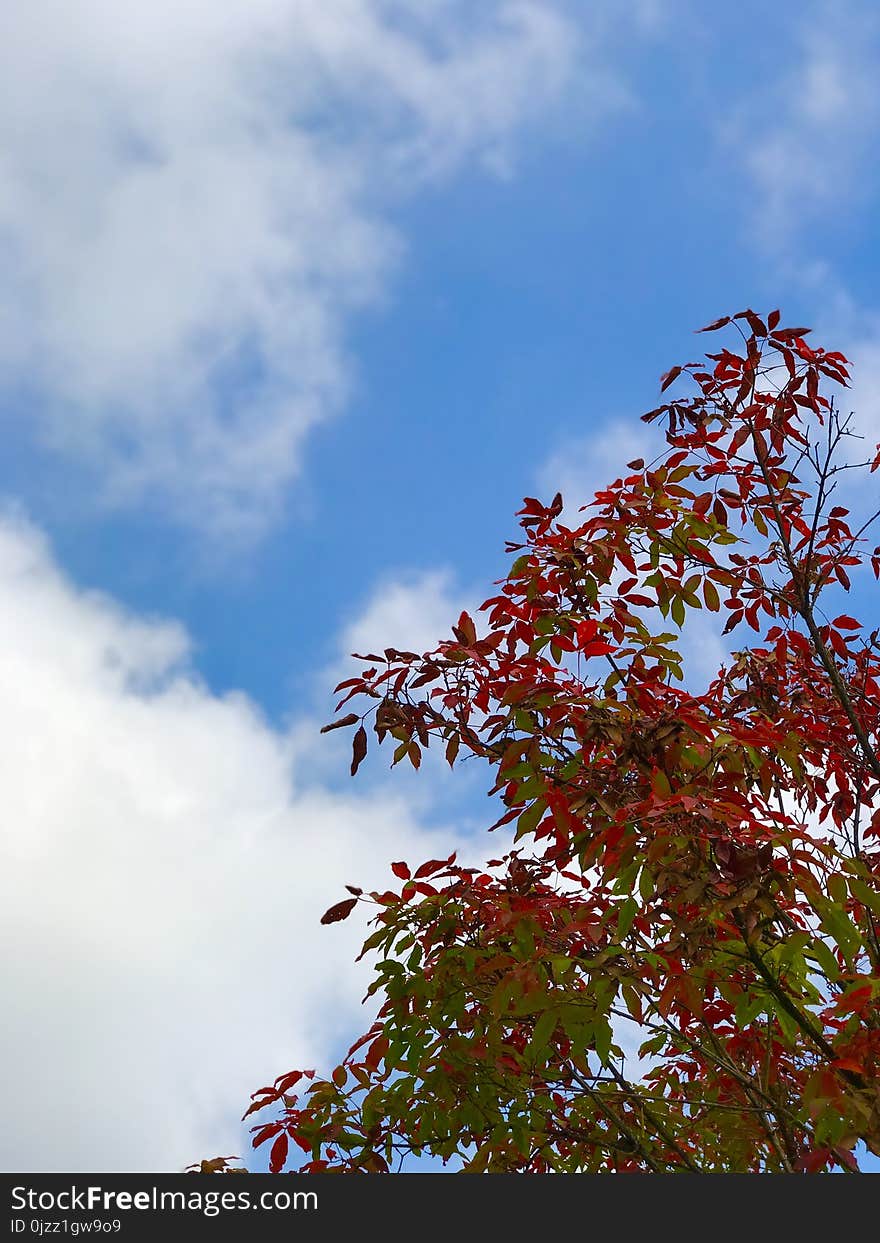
[401, 870]
[599, 648]
[376, 1052]
[716, 324]
[848, 1063]
[846, 1158]
[846, 623]
[815, 1160]
[791, 334]
[264, 1133]
[358, 749]
[278, 1155]
[739, 438]
[586, 631]
[853, 1002]
[468, 630]
[284, 1083]
[351, 719]
[669, 377]
[341, 910]
[433, 865]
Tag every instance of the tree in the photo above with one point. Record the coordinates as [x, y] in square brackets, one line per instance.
[693, 875]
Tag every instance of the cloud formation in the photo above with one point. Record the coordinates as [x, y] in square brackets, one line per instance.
[194, 201]
[166, 858]
[805, 140]
[582, 465]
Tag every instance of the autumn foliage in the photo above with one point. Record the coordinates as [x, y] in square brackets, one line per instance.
[673, 962]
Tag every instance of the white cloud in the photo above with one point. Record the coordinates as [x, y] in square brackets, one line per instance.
[166, 859]
[806, 140]
[841, 323]
[582, 465]
[806, 143]
[861, 344]
[409, 610]
[193, 202]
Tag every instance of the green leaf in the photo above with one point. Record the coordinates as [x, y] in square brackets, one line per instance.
[603, 1040]
[543, 1030]
[627, 912]
[749, 1006]
[790, 1028]
[632, 1001]
[865, 894]
[824, 958]
[654, 1045]
[524, 938]
[837, 889]
[841, 928]
[624, 882]
[528, 820]
[506, 995]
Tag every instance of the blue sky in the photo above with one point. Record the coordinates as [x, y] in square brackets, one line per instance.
[298, 300]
